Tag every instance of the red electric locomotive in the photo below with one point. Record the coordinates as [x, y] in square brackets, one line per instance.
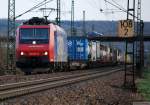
[39, 42]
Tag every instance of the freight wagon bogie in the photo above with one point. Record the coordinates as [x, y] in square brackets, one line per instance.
[59, 66]
[78, 65]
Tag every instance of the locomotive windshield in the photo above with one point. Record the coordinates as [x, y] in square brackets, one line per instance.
[27, 35]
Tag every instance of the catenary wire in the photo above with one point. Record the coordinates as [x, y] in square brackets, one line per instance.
[35, 7]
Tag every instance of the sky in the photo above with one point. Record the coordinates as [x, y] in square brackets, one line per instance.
[92, 8]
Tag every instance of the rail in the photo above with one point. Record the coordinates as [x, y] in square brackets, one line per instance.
[23, 88]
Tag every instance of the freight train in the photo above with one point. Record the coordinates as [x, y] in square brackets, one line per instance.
[40, 43]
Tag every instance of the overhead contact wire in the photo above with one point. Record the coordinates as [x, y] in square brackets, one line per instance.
[35, 7]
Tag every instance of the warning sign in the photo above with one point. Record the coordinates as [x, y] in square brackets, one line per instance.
[126, 28]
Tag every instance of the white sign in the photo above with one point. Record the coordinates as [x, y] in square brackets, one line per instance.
[126, 28]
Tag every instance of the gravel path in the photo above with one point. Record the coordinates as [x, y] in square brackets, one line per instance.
[101, 91]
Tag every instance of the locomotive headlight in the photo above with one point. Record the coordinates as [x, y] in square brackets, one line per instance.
[52, 59]
[46, 53]
[22, 53]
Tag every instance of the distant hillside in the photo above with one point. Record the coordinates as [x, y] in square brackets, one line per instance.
[3, 26]
[104, 27]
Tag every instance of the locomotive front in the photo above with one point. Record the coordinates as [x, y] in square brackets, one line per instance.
[32, 45]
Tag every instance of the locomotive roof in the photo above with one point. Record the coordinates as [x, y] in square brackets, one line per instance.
[37, 21]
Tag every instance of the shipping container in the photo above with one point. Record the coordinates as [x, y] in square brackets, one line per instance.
[92, 51]
[78, 52]
[114, 55]
[119, 56]
[78, 48]
[98, 53]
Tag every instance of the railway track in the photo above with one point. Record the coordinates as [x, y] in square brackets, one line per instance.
[22, 88]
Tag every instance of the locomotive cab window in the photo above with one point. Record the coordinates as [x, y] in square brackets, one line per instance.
[41, 33]
[27, 35]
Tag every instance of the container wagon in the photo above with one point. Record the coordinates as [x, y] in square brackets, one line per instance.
[83, 53]
[78, 52]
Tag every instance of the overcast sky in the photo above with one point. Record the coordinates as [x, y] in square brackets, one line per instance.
[92, 8]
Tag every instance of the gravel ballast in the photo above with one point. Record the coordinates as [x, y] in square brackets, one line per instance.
[106, 90]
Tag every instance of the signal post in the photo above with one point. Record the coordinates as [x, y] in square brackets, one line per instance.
[126, 30]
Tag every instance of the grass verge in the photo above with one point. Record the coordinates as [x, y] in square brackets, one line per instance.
[144, 85]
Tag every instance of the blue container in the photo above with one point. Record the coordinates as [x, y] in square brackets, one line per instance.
[77, 48]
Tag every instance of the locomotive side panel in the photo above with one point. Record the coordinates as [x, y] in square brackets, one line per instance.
[51, 44]
[60, 40]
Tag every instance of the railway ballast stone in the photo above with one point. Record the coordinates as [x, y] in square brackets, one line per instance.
[105, 90]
